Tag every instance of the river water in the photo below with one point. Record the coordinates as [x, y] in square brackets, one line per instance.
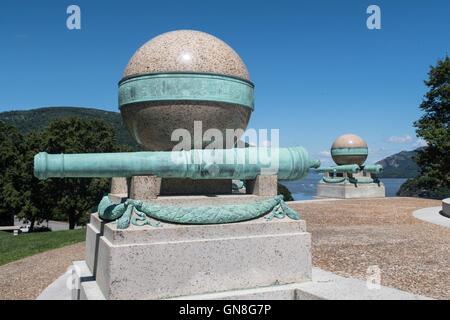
[305, 189]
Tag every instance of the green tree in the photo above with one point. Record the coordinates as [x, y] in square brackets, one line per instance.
[433, 127]
[20, 193]
[37, 198]
[10, 198]
[287, 195]
[77, 196]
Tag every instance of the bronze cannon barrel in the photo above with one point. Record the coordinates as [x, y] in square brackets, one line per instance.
[352, 168]
[239, 163]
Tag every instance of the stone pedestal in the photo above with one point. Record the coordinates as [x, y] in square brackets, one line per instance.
[446, 207]
[350, 190]
[144, 262]
[178, 260]
[119, 185]
[151, 187]
[119, 190]
[144, 187]
[263, 185]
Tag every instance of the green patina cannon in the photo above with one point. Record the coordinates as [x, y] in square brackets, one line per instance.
[351, 168]
[376, 168]
[351, 173]
[239, 163]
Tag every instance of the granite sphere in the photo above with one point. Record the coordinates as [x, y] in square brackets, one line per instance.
[349, 149]
[151, 123]
[186, 50]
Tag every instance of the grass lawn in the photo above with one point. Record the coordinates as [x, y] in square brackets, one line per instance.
[26, 244]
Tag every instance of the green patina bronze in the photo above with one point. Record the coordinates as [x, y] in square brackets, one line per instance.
[362, 180]
[349, 180]
[351, 168]
[239, 163]
[376, 168]
[334, 180]
[174, 86]
[122, 213]
[349, 151]
[238, 185]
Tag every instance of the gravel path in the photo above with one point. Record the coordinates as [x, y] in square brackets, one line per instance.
[349, 236]
[25, 279]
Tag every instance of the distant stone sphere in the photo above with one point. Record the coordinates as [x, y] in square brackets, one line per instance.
[349, 149]
[180, 77]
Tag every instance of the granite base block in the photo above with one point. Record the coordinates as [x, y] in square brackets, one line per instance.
[350, 190]
[178, 260]
[324, 286]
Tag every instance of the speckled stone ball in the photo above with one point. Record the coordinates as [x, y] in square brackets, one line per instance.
[152, 122]
[349, 149]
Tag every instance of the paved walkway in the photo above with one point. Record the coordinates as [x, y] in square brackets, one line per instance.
[59, 289]
[433, 215]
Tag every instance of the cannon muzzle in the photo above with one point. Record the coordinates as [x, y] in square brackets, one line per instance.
[376, 168]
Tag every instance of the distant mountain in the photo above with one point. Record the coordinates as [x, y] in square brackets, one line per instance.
[38, 119]
[400, 165]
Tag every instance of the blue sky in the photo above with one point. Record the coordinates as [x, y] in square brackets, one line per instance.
[319, 72]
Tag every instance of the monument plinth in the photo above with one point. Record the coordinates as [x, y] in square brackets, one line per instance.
[178, 260]
[172, 226]
[350, 179]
